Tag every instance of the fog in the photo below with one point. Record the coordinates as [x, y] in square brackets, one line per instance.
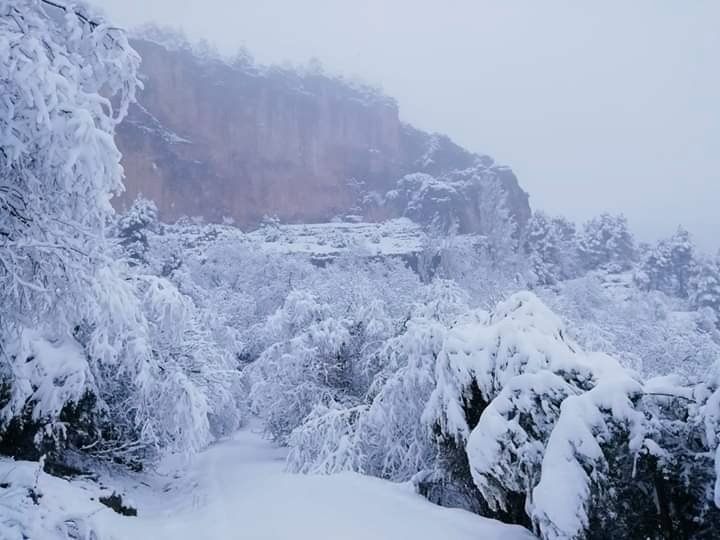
[604, 106]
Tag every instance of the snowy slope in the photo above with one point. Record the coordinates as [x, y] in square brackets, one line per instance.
[238, 490]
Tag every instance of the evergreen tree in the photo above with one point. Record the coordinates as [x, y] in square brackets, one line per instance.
[134, 225]
[704, 285]
[606, 242]
[669, 265]
[551, 246]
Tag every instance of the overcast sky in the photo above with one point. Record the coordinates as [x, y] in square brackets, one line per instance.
[609, 105]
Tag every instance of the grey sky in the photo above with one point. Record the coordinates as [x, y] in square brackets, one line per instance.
[609, 105]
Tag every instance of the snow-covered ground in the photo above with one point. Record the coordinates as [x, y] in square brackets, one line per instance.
[238, 489]
[394, 237]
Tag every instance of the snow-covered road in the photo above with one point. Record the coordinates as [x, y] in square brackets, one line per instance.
[238, 490]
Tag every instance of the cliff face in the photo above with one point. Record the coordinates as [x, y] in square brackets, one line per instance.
[213, 140]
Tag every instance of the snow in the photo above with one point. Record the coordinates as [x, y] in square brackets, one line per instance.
[238, 489]
[49, 374]
[487, 350]
[146, 121]
[574, 457]
[501, 449]
[394, 237]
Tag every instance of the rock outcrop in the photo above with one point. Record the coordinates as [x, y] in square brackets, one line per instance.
[216, 140]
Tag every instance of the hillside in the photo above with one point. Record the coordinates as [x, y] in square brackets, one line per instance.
[220, 140]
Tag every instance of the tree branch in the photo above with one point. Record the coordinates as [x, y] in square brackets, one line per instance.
[67, 9]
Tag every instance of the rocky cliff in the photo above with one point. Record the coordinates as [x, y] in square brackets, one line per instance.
[239, 141]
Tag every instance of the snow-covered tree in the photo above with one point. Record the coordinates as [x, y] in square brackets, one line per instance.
[668, 266]
[307, 366]
[59, 167]
[606, 241]
[506, 447]
[94, 356]
[497, 224]
[682, 255]
[384, 436]
[481, 355]
[551, 246]
[200, 381]
[567, 441]
[323, 346]
[242, 58]
[636, 462]
[642, 329]
[133, 227]
[59, 163]
[704, 285]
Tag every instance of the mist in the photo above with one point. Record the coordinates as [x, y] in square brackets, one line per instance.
[603, 107]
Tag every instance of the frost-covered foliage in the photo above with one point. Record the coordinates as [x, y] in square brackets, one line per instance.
[642, 460]
[200, 383]
[704, 285]
[569, 441]
[480, 355]
[551, 245]
[648, 331]
[94, 357]
[606, 242]
[504, 414]
[305, 335]
[59, 166]
[383, 434]
[319, 354]
[465, 261]
[497, 224]
[309, 365]
[488, 266]
[669, 265]
[133, 227]
[59, 163]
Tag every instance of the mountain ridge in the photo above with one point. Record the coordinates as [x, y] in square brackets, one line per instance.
[240, 141]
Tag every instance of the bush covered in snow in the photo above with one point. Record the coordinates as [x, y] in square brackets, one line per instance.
[383, 434]
[574, 441]
[606, 242]
[93, 356]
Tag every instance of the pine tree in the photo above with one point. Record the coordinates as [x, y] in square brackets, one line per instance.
[704, 285]
[497, 224]
[134, 225]
[669, 265]
[606, 242]
[551, 246]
